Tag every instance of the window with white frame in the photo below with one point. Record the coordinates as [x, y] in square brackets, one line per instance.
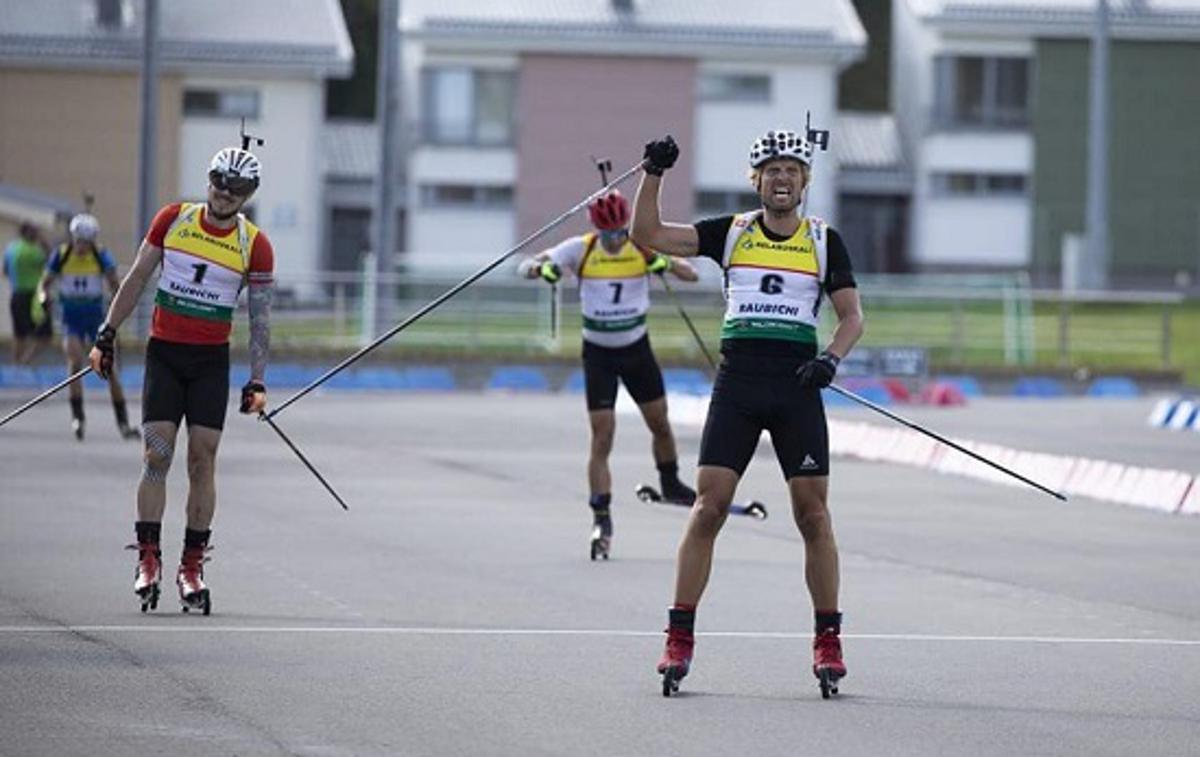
[968, 184]
[723, 87]
[982, 91]
[466, 195]
[221, 103]
[465, 106]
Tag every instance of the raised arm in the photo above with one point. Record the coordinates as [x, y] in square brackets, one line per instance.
[648, 229]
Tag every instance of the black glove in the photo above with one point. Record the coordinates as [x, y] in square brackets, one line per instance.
[253, 397]
[818, 373]
[660, 155]
[104, 352]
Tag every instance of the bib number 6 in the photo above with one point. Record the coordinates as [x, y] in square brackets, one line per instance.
[772, 283]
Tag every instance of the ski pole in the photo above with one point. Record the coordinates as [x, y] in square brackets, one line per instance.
[918, 427]
[691, 327]
[57, 387]
[303, 459]
[451, 292]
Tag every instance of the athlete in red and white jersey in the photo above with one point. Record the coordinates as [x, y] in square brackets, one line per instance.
[208, 252]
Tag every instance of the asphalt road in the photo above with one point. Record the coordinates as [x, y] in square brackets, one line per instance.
[453, 610]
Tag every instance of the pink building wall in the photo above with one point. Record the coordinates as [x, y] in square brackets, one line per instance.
[570, 107]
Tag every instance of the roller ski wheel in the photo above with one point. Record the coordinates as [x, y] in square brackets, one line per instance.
[600, 545]
[647, 493]
[200, 601]
[828, 682]
[150, 598]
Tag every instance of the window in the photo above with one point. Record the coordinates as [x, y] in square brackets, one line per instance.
[976, 91]
[459, 195]
[711, 202]
[225, 103]
[464, 106]
[735, 87]
[959, 184]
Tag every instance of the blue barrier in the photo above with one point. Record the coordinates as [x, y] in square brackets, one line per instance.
[428, 378]
[575, 382]
[1114, 386]
[19, 377]
[968, 385]
[1038, 387]
[686, 381]
[518, 378]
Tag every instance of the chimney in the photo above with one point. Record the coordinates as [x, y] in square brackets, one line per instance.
[108, 13]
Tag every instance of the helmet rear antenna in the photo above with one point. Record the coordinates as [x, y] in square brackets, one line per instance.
[248, 139]
[604, 166]
[817, 137]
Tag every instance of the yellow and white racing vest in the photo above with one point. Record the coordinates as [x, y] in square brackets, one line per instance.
[202, 275]
[614, 293]
[773, 289]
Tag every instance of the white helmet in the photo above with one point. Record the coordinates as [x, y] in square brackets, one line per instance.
[234, 162]
[780, 143]
[84, 227]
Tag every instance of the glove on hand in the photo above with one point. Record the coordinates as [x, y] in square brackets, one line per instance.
[659, 263]
[550, 271]
[818, 373]
[104, 352]
[660, 155]
[254, 397]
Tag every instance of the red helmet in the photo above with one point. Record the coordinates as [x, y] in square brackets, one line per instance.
[609, 212]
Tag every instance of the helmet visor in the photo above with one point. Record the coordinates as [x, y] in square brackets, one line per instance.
[234, 185]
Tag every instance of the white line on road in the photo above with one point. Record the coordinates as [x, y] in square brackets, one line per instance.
[433, 631]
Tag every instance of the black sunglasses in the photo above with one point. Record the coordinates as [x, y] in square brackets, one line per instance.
[235, 185]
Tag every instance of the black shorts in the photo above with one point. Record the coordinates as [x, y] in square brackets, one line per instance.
[186, 380]
[634, 365]
[746, 402]
[22, 319]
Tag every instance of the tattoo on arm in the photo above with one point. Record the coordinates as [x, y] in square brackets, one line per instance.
[260, 328]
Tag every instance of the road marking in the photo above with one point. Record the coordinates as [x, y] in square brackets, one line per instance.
[203, 628]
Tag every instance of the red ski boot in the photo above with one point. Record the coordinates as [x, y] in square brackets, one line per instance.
[193, 593]
[676, 659]
[827, 661]
[147, 574]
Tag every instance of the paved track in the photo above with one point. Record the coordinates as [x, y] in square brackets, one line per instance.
[453, 610]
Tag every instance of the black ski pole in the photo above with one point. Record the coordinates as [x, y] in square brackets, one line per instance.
[57, 387]
[303, 459]
[933, 434]
[450, 292]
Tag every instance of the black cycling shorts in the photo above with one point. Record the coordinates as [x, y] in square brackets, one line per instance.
[186, 380]
[22, 320]
[634, 365]
[747, 402]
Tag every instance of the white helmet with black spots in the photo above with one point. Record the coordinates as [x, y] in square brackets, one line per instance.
[780, 143]
[233, 163]
[84, 228]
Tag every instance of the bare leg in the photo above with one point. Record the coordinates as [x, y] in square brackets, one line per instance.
[604, 423]
[662, 440]
[202, 485]
[715, 488]
[811, 513]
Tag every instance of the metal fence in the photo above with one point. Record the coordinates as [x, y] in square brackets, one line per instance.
[960, 319]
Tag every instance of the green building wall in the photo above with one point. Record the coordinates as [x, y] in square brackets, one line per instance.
[1154, 157]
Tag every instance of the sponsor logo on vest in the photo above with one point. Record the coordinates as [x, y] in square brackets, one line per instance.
[193, 292]
[186, 233]
[617, 313]
[768, 309]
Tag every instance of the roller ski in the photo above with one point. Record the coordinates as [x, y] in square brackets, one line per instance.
[147, 575]
[676, 659]
[647, 493]
[828, 666]
[601, 535]
[193, 593]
